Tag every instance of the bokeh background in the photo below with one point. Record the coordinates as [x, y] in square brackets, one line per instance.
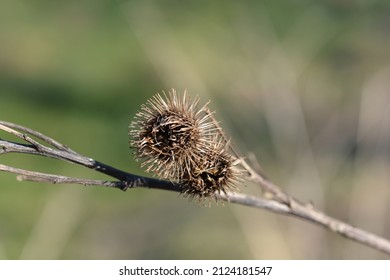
[303, 85]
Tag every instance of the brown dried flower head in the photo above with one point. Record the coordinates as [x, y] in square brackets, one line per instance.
[180, 141]
[214, 171]
[167, 131]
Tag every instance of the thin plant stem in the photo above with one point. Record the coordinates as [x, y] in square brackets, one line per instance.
[279, 202]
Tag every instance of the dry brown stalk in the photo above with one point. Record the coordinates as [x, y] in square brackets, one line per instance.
[280, 202]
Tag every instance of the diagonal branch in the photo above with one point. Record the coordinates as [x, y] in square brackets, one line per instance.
[281, 202]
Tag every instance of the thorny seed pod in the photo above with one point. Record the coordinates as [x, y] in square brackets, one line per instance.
[213, 172]
[179, 141]
[167, 131]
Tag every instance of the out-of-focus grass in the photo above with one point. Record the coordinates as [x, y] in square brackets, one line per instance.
[303, 85]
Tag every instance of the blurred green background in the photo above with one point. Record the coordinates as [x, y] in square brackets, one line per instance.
[303, 85]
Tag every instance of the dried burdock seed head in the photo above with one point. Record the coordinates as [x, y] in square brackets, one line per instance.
[167, 131]
[215, 171]
[182, 142]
